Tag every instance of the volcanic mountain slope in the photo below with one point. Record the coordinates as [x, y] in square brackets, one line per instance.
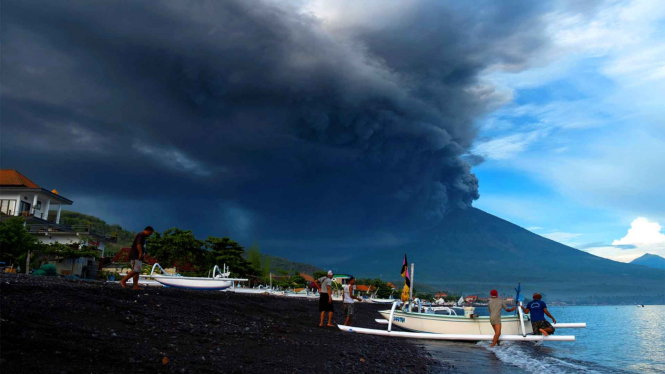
[650, 260]
[473, 251]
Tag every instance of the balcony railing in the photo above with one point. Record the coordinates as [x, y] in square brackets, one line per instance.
[76, 229]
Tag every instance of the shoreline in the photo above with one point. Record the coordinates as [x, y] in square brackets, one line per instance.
[73, 326]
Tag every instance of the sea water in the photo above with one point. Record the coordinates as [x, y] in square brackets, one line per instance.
[618, 339]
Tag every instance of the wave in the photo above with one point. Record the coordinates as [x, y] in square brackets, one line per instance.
[534, 358]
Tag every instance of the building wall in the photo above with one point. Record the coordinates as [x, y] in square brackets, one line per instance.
[69, 265]
[29, 198]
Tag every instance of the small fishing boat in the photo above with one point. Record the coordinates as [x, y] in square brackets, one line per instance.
[255, 290]
[382, 301]
[426, 323]
[219, 281]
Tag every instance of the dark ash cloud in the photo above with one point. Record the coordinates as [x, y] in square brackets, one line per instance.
[205, 114]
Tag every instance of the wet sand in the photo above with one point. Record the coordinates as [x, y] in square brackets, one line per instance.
[53, 325]
[466, 358]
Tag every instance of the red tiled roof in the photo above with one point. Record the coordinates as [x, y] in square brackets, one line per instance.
[307, 277]
[15, 179]
[390, 285]
[363, 288]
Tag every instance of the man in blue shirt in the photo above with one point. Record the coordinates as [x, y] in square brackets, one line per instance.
[538, 309]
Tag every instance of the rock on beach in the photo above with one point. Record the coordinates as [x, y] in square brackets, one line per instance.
[58, 325]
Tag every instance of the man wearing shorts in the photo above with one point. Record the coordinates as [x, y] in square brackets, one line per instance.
[537, 308]
[495, 305]
[324, 284]
[136, 255]
[348, 300]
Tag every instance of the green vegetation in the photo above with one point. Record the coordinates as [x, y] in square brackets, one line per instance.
[125, 237]
[383, 291]
[15, 241]
[277, 263]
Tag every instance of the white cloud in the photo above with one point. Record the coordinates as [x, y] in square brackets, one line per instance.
[642, 232]
[644, 235]
[562, 237]
[534, 228]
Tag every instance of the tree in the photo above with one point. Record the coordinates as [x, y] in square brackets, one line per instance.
[254, 257]
[319, 274]
[229, 252]
[15, 240]
[176, 247]
[266, 270]
[297, 280]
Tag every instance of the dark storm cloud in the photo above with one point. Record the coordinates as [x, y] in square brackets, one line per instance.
[255, 112]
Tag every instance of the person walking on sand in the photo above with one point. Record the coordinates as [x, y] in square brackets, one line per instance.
[348, 299]
[324, 284]
[537, 308]
[136, 255]
[495, 305]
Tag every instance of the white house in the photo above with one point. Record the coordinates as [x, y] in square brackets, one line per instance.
[19, 196]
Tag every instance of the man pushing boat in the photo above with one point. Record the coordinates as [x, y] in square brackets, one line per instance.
[537, 308]
[495, 305]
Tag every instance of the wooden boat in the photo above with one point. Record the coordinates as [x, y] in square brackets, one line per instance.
[469, 326]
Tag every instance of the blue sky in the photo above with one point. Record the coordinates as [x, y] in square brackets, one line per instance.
[577, 153]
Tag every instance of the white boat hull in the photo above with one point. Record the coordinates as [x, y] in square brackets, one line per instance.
[456, 337]
[455, 325]
[250, 290]
[382, 301]
[210, 284]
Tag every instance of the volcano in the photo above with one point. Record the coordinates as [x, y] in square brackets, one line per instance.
[472, 251]
[650, 260]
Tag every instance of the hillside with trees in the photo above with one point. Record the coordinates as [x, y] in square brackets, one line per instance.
[125, 237]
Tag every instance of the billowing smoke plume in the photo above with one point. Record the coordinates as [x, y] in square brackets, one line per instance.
[347, 118]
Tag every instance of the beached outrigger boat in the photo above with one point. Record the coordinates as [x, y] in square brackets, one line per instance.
[421, 324]
[219, 281]
[376, 300]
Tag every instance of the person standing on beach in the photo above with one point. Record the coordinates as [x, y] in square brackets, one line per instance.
[324, 284]
[537, 308]
[495, 305]
[136, 255]
[348, 300]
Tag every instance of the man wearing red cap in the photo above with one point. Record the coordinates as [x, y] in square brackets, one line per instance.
[495, 305]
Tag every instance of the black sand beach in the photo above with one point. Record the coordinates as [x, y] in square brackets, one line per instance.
[52, 325]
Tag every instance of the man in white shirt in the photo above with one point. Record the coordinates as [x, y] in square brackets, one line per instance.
[324, 284]
[348, 300]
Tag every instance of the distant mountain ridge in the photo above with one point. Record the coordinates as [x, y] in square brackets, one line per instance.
[472, 251]
[650, 260]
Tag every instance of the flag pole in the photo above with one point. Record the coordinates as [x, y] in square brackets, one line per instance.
[411, 287]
